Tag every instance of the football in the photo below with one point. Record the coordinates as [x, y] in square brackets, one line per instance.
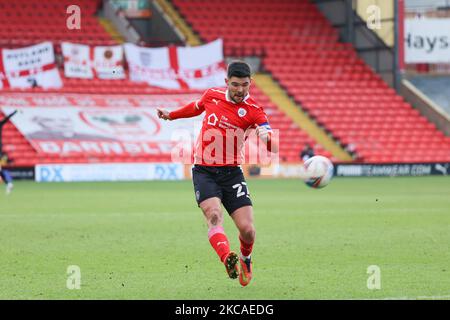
[318, 172]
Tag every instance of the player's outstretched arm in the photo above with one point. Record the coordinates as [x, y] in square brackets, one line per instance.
[188, 111]
[266, 136]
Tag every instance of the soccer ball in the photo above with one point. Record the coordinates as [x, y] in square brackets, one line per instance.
[318, 172]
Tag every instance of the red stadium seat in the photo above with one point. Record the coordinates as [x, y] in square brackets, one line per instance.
[298, 46]
[327, 77]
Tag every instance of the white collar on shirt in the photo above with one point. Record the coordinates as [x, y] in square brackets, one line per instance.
[229, 100]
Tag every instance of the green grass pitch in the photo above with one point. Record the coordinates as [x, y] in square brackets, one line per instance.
[148, 240]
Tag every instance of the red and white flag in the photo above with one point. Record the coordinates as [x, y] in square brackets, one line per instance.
[198, 67]
[83, 61]
[77, 63]
[30, 67]
[4, 83]
[108, 62]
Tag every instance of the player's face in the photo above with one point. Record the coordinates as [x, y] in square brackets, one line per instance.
[238, 88]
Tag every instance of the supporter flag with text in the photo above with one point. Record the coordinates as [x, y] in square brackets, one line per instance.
[29, 67]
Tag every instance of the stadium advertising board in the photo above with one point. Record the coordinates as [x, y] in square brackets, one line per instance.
[133, 9]
[362, 170]
[427, 40]
[108, 172]
[399, 169]
[21, 173]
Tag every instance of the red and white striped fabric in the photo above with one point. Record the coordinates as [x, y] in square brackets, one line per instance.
[30, 66]
[4, 83]
[199, 67]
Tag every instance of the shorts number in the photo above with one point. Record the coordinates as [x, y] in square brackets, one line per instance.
[239, 187]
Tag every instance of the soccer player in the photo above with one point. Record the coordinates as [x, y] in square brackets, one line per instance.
[4, 174]
[307, 152]
[6, 177]
[217, 175]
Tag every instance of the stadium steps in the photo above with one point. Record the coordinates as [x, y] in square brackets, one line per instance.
[295, 112]
[191, 38]
[111, 29]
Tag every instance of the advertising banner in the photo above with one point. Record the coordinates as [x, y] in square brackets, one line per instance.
[109, 172]
[427, 40]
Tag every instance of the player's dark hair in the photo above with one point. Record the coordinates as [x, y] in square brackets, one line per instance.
[238, 69]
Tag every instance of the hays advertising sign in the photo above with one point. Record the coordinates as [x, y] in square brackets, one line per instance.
[427, 40]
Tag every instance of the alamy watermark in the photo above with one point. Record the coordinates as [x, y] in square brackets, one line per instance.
[226, 146]
[374, 280]
[374, 18]
[74, 20]
[74, 277]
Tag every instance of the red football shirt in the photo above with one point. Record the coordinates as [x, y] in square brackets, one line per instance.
[225, 127]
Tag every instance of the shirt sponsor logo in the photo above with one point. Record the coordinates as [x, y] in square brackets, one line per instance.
[212, 119]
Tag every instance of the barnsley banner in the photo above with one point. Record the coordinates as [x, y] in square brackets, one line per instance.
[120, 130]
[152, 100]
[83, 61]
[427, 40]
[198, 67]
[29, 67]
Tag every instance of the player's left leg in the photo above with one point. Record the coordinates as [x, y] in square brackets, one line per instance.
[208, 196]
[243, 219]
[213, 212]
[237, 202]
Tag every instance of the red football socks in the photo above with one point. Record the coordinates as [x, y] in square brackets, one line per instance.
[219, 242]
[246, 248]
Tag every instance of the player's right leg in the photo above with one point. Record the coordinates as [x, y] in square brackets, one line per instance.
[217, 238]
[208, 196]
